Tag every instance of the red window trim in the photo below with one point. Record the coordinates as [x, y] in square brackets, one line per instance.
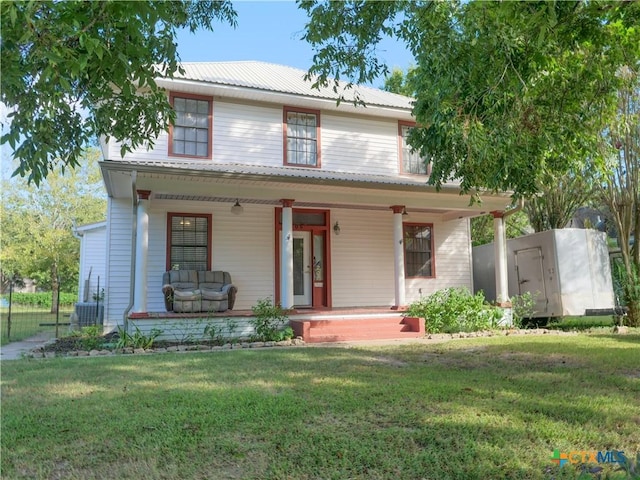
[405, 123]
[433, 250]
[209, 218]
[285, 110]
[209, 155]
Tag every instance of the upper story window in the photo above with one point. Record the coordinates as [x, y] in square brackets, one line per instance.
[301, 137]
[410, 160]
[190, 136]
[188, 241]
[418, 250]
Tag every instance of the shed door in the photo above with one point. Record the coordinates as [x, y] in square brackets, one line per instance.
[531, 277]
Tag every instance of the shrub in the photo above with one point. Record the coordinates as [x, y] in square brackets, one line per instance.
[522, 308]
[40, 299]
[89, 338]
[580, 323]
[136, 339]
[268, 322]
[455, 310]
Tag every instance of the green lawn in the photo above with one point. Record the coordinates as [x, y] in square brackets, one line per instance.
[481, 408]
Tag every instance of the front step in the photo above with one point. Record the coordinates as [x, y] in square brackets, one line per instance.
[359, 328]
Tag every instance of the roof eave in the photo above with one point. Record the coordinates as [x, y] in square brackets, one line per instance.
[108, 166]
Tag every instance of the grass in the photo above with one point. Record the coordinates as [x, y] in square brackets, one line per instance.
[26, 320]
[477, 408]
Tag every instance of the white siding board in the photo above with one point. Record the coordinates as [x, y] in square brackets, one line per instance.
[362, 255]
[359, 145]
[247, 134]
[159, 151]
[93, 259]
[243, 245]
[452, 259]
[117, 291]
[362, 259]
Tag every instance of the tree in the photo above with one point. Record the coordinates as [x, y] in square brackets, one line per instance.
[72, 71]
[619, 189]
[398, 82]
[482, 230]
[506, 92]
[558, 199]
[37, 240]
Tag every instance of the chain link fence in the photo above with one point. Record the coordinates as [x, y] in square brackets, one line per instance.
[44, 314]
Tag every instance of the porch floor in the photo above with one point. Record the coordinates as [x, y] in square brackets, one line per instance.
[327, 324]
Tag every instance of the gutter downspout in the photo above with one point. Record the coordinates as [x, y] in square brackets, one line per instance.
[134, 240]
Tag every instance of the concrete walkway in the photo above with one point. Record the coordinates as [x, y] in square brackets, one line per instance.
[15, 350]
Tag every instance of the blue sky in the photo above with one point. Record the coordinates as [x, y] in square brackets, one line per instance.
[268, 31]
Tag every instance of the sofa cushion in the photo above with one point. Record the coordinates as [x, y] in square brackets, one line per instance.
[211, 286]
[216, 276]
[208, 294]
[184, 286]
[176, 276]
[186, 295]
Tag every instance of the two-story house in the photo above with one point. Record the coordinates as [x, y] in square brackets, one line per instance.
[321, 206]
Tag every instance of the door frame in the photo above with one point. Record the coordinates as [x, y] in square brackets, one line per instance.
[326, 300]
[523, 252]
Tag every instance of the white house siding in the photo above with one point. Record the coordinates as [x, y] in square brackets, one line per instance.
[92, 259]
[452, 257]
[359, 145]
[362, 258]
[252, 134]
[142, 153]
[243, 245]
[247, 134]
[119, 235]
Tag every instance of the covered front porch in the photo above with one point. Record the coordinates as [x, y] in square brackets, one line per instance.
[315, 242]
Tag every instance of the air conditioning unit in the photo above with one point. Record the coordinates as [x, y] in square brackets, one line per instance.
[89, 314]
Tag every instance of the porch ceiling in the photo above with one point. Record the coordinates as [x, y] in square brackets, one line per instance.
[252, 184]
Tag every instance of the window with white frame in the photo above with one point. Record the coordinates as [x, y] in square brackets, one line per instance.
[410, 160]
[302, 137]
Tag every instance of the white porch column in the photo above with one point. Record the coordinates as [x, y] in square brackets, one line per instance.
[500, 254]
[398, 255]
[286, 255]
[142, 249]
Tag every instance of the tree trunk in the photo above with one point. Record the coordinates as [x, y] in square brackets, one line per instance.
[55, 288]
[633, 315]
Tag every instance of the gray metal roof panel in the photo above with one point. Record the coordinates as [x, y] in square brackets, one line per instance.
[284, 79]
[270, 171]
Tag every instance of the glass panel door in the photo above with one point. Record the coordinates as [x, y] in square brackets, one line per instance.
[302, 269]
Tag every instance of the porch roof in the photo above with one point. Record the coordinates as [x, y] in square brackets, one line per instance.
[400, 189]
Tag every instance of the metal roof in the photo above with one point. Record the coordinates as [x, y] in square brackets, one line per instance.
[284, 173]
[283, 79]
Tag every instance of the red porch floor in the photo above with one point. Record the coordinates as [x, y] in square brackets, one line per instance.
[328, 325]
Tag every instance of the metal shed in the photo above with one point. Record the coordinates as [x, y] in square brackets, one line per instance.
[567, 270]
